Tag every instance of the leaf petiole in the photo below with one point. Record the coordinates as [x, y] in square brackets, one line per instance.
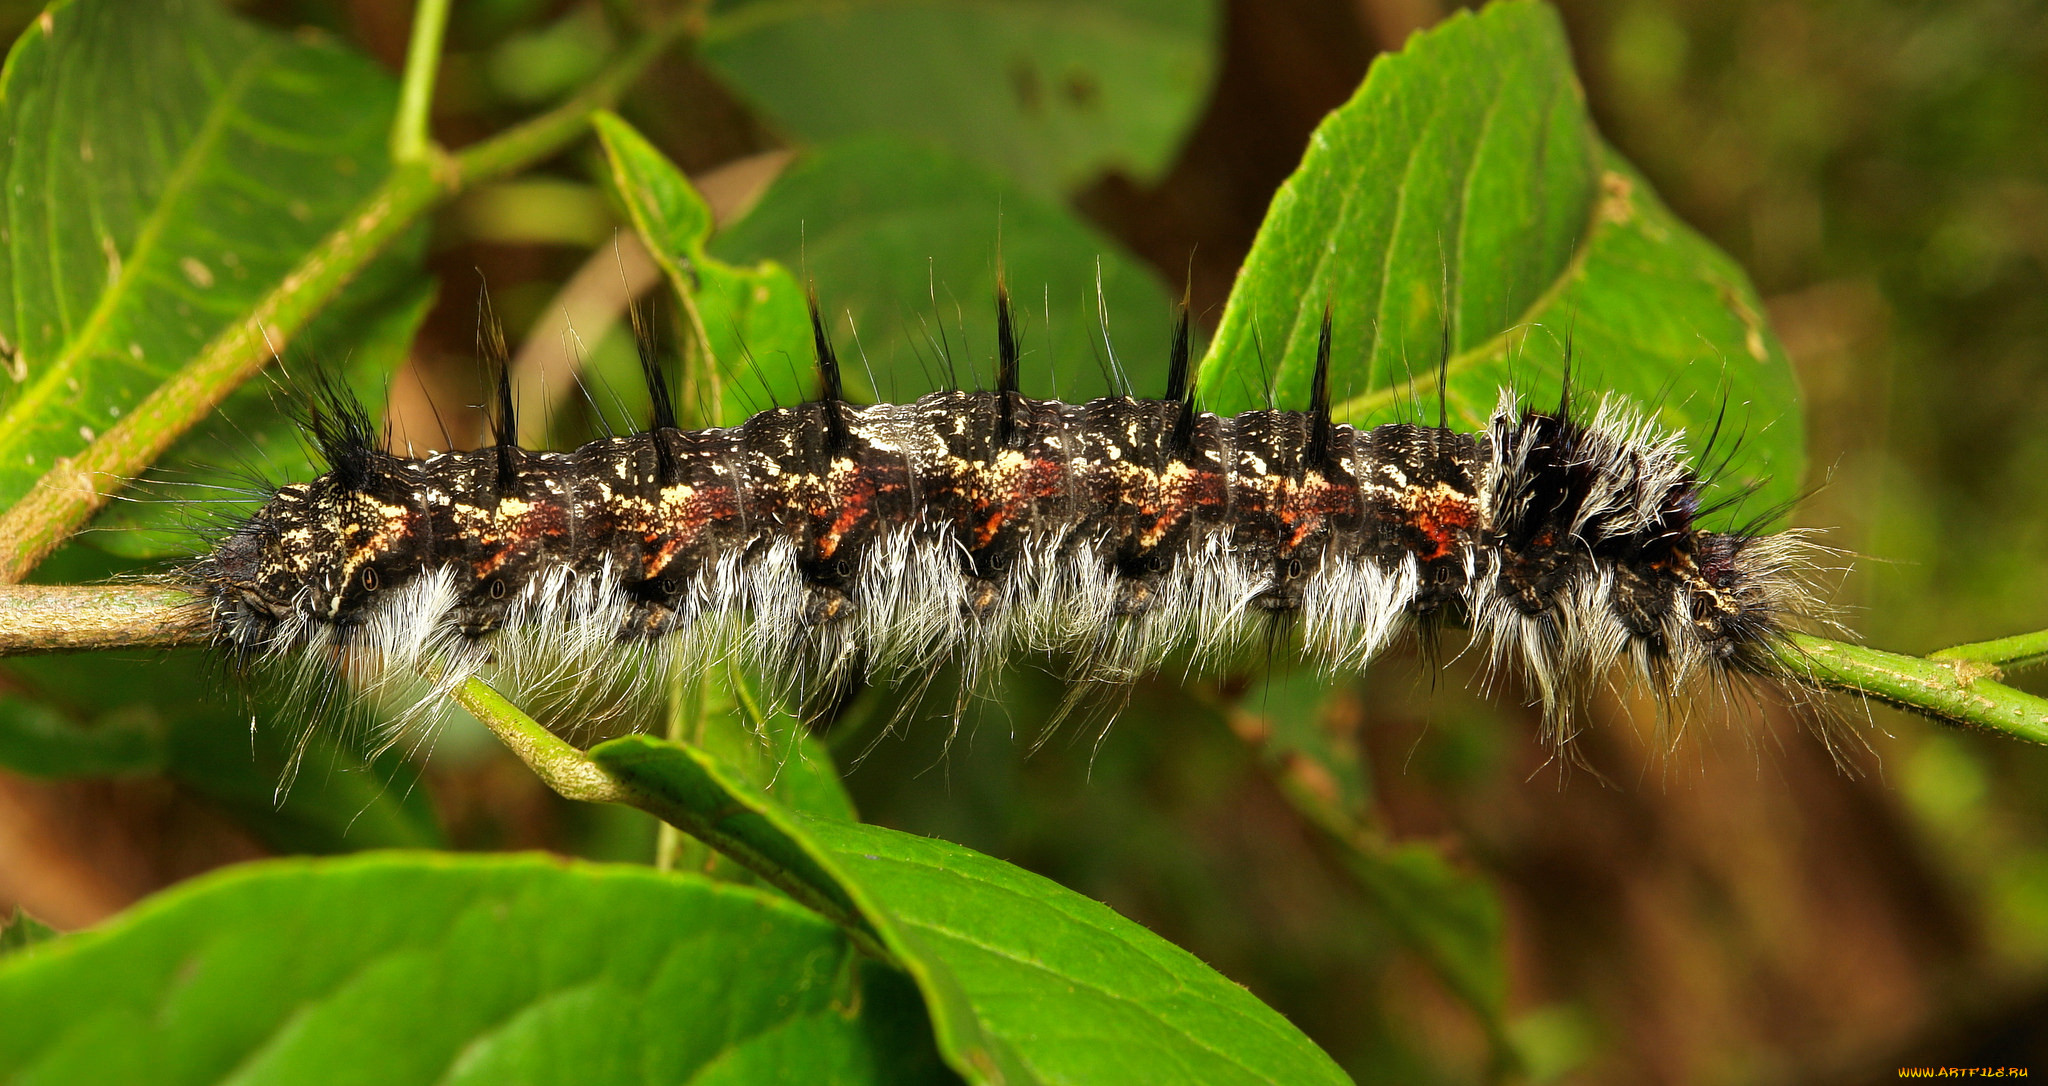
[409, 139]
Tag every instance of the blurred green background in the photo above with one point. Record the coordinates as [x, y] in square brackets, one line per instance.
[1733, 908]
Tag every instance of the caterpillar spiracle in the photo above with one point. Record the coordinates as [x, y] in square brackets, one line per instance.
[829, 542]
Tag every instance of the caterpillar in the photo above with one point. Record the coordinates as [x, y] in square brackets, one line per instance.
[828, 542]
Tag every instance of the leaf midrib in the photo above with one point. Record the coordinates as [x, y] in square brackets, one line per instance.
[29, 406]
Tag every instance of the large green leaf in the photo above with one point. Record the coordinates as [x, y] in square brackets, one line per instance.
[903, 241]
[1025, 981]
[1462, 196]
[1053, 92]
[419, 968]
[164, 164]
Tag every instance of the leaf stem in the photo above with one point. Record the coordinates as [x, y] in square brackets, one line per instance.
[409, 140]
[575, 775]
[559, 765]
[76, 487]
[2015, 653]
[1956, 690]
[535, 139]
[1948, 686]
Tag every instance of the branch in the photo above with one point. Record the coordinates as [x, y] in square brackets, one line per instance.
[76, 487]
[527, 143]
[2007, 654]
[1955, 689]
[50, 618]
[1948, 686]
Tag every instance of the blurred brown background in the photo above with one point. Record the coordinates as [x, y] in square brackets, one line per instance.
[1736, 909]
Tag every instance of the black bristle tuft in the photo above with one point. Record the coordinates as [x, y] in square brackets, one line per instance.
[663, 416]
[341, 428]
[1177, 362]
[1443, 370]
[1007, 380]
[1320, 430]
[1564, 391]
[831, 390]
[490, 346]
[1180, 387]
[1006, 341]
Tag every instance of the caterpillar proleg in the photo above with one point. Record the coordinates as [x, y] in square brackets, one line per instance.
[828, 542]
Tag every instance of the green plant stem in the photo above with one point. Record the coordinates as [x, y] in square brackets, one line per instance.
[66, 618]
[2015, 653]
[1959, 691]
[76, 487]
[59, 618]
[559, 765]
[409, 140]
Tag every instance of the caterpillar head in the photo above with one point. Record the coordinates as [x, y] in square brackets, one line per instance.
[1748, 590]
[312, 557]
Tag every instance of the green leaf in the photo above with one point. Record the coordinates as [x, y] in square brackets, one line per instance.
[1053, 92]
[423, 968]
[1025, 980]
[903, 241]
[1078, 992]
[19, 930]
[760, 334]
[164, 165]
[736, 314]
[670, 216]
[1463, 196]
[222, 470]
[767, 745]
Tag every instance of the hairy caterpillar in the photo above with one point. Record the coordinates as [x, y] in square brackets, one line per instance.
[826, 542]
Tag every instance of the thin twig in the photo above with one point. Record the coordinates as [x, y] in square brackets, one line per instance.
[409, 139]
[1958, 691]
[68, 618]
[2007, 654]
